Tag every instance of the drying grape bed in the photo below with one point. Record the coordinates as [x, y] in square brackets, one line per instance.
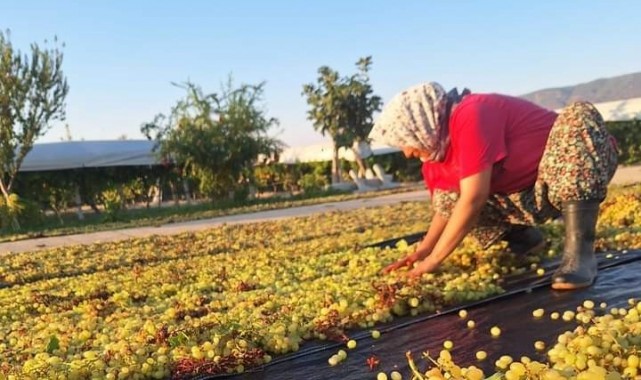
[233, 298]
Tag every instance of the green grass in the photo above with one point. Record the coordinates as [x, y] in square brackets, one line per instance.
[156, 216]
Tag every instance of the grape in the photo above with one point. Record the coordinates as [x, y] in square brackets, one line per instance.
[474, 373]
[588, 304]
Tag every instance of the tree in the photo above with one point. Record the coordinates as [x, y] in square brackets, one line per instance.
[32, 95]
[216, 138]
[326, 110]
[343, 108]
[360, 105]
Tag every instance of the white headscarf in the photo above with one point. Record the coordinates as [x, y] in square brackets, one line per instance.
[417, 118]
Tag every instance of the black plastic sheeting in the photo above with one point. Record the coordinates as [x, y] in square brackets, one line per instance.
[618, 281]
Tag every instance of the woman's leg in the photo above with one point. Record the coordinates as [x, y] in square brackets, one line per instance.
[579, 161]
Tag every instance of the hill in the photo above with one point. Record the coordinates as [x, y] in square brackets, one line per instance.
[598, 91]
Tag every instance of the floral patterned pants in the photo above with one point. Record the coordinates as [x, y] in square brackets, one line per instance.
[578, 162]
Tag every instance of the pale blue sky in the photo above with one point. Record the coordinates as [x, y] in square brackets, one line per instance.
[121, 56]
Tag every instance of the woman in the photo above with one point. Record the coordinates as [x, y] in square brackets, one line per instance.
[496, 166]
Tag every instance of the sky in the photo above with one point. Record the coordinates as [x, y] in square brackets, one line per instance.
[121, 56]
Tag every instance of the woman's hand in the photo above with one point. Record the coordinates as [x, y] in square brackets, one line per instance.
[424, 247]
[404, 262]
[425, 266]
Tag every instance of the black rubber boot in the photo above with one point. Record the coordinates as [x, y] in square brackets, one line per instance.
[523, 240]
[578, 267]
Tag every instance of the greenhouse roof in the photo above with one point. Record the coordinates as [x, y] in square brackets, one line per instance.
[81, 154]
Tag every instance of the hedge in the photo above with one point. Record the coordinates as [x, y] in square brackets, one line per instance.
[628, 136]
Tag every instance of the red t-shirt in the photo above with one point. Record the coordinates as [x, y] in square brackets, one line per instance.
[507, 133]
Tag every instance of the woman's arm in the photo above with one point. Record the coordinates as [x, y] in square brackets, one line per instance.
[428, 243]
[475, 191]
[424, 247]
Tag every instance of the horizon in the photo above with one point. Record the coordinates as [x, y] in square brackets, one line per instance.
[120, 59]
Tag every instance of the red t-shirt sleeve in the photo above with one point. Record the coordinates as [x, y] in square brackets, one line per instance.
[477, 137]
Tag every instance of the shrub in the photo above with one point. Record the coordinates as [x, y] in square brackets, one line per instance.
[628, 136]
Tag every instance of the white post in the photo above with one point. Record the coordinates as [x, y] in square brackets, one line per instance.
[78, 200]
[186, 190]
